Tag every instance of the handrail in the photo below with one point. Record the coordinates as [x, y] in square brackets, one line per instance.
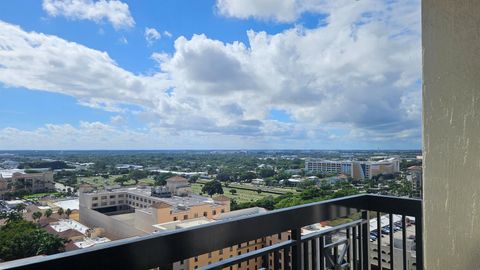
[161, 249]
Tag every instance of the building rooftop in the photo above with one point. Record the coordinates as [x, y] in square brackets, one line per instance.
[181, 224]
[179, 203]
[88, 242]
[241, 213]
[10, 172]
[68, 204]
[66, 224]
[176, 178]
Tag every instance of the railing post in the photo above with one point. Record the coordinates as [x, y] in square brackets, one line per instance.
[297, 249]
[419, 241]
[366, 241]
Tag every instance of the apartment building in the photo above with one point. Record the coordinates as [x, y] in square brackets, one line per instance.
[16, 180]
[414, 175]
[355, 169]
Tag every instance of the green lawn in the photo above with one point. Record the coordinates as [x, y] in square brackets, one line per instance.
[40, 195]
[241, 195]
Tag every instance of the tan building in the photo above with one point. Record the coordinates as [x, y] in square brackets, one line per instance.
[127, 212]
[223, 254]
[18, 180]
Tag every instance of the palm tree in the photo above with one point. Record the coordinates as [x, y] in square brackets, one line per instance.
[19, 208]
[68, 212]
[36, 216]
[60, 211]
[48, 213]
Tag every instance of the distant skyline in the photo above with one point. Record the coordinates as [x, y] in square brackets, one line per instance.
[215, 74]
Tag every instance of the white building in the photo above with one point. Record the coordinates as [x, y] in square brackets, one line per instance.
[354, 169]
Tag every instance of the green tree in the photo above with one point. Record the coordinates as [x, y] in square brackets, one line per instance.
[223, 176]
[233, 191]
[20, 207]
[60, 211]
[48, 213]
[266, 172]
[212, 187]
[136, 175]
[68, 212]
[121, 180]
[247, 176]
[193, 179]
[160, 180]
[21, 239]
[36, 215]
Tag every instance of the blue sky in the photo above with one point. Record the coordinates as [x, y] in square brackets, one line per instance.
[84, 74]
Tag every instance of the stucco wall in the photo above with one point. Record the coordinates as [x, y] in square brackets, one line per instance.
[451, 97]
[115, 229]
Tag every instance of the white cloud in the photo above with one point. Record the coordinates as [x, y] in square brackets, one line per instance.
[123, 40]
[168, 34]
[117, 120]
[151, 35]
[116, 12]
[42, 62]
[355, 78]
[283, 11]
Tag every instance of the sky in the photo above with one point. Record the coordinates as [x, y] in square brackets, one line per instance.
[211, 74]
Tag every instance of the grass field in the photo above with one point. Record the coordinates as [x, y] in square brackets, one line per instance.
[99, 181]
[241, 195]
[41, 195]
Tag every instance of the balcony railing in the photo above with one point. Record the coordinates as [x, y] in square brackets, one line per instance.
[350, 245]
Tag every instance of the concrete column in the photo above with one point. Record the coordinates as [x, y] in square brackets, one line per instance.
[451, 137]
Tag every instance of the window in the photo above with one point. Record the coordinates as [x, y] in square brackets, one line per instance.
[185, 217]
[112, 203]
[104, 197]
[196, 258]
[204, 214]
[210, 255]
[120, 201]
[214, 212]
[196, 215]
[95, 205]
[174, 218]
[220, 252]
[112, 196]
[94, 198]
[121, 195]
[222, 211]
[104, 203]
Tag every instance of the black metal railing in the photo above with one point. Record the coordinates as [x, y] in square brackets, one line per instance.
[347, 246]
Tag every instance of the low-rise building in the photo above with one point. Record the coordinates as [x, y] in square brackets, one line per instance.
[16, 180]
[126, 212]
